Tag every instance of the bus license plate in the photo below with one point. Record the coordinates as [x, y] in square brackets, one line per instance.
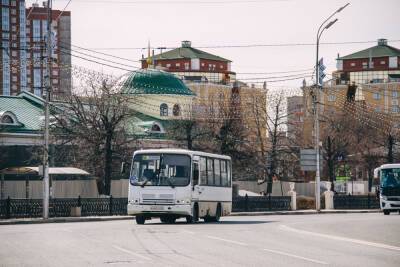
[156, 208]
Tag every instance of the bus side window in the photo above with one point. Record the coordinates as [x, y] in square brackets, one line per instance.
[210, 171]
[195, 173]
[203, 171]
[224, 174]
[228, 165]
[217, 172]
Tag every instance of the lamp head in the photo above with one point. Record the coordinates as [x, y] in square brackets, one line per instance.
[330, 24]
[343, 7]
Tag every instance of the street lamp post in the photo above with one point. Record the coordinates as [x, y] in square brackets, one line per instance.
[321, 29]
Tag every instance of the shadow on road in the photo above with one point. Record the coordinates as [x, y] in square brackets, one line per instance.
[215, 223]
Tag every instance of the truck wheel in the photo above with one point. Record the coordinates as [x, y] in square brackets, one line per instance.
[140, 219]
[386, 212]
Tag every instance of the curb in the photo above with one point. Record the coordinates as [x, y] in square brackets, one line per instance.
[303, 212]
[65, 220]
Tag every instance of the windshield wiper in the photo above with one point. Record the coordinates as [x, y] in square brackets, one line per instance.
[170, 183]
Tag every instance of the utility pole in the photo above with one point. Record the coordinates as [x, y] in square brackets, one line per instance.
[46, 179]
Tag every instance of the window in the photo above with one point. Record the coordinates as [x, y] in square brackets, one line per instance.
[13, 12]
[331, 98]
[176, 110]
[163, 109]
[203, 171]
[365, 65]
[210, 171]
[37, 82]
[186, 65]
[352, 64]
[377, 96]
[395, 94]
[168, 65]
[395, 109]
[5, 19]
[217, 172]
[36, 30]
[5, 2]
[14, 20]
[383, 62]
[177, 65]
[7, 119]
[224, 173]
[155, 128]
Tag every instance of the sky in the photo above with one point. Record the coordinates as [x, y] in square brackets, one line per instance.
[121, 24]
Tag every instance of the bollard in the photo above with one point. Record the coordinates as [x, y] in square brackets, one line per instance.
[8, 208]
[293, 196]
[246, 203]
[329, 197]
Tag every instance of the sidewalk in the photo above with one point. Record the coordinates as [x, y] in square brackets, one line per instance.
[115, 218]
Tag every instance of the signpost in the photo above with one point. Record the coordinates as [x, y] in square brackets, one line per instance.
[308, 160]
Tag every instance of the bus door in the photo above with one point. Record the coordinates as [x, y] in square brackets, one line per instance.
[195, 179]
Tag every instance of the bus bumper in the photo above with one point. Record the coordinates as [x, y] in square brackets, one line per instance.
[390, 204]
[159, 210]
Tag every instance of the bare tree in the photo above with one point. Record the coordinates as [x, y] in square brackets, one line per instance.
[94, 123]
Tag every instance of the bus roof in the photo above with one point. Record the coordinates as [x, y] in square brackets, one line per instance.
[390, 166]
[180, 151]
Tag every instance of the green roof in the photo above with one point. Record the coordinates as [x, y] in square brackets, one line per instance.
[151, 81]
[375, 51]
[187, 52]
[28, 112]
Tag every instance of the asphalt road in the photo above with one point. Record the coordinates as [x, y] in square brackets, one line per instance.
[283, 240]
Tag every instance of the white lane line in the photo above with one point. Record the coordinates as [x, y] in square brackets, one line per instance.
[131, 253]
[188, 232]
[345, 239]
[295, 256]
[226, 240]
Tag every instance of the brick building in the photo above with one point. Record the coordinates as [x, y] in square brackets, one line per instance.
[23, 53]
[377, 64]
[192, 64]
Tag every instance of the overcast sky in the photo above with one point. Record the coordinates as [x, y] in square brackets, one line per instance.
[131, 23]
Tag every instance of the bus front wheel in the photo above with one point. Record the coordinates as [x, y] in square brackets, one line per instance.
[386, 212]
[195, 217]
[140, 219]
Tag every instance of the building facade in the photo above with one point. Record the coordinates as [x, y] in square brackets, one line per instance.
[192, 64]
[23, 54]
[377, 64]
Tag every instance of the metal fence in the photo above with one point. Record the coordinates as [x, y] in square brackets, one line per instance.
[61, 207]
[355, 202]
[264, 203]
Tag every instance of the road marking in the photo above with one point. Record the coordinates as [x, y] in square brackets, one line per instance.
[188, 232]
[351, 240]
[295, 256]
[226, 240]
[131, 252]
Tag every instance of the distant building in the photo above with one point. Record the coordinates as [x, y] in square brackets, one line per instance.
[61, 57]
[295, 117]
[23, 55]
[377, 64]
[192, 64]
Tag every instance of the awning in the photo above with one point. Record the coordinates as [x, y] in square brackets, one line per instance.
[52, 170]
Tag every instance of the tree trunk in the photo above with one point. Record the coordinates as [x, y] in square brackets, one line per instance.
[330, 163]
[390, 149]
[108, 163]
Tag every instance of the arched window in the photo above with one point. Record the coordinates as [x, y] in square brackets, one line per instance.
[163, 109]
[7, 119]
[176, 110]
[155, 128]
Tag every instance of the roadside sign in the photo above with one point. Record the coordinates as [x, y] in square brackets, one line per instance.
[308, 160]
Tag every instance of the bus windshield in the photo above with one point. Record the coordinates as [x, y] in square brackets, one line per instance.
[160, 170]
[390, 177]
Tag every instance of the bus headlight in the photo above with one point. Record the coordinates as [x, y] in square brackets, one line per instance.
[383, 197]
[183, 201]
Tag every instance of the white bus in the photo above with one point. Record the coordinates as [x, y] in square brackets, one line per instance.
[389, 189]
[175, 183]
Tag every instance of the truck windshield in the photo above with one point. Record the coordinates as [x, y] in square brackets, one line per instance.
[160, 170]
[390, 178]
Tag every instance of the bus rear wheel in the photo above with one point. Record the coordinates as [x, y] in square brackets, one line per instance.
[386, 212]
[140, 219]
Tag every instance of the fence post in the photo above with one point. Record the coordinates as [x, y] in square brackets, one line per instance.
[8, 208]
[269, 201]
[111, 202]
[246, 203]
[79, 201]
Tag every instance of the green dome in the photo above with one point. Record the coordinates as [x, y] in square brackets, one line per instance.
[154, 82]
